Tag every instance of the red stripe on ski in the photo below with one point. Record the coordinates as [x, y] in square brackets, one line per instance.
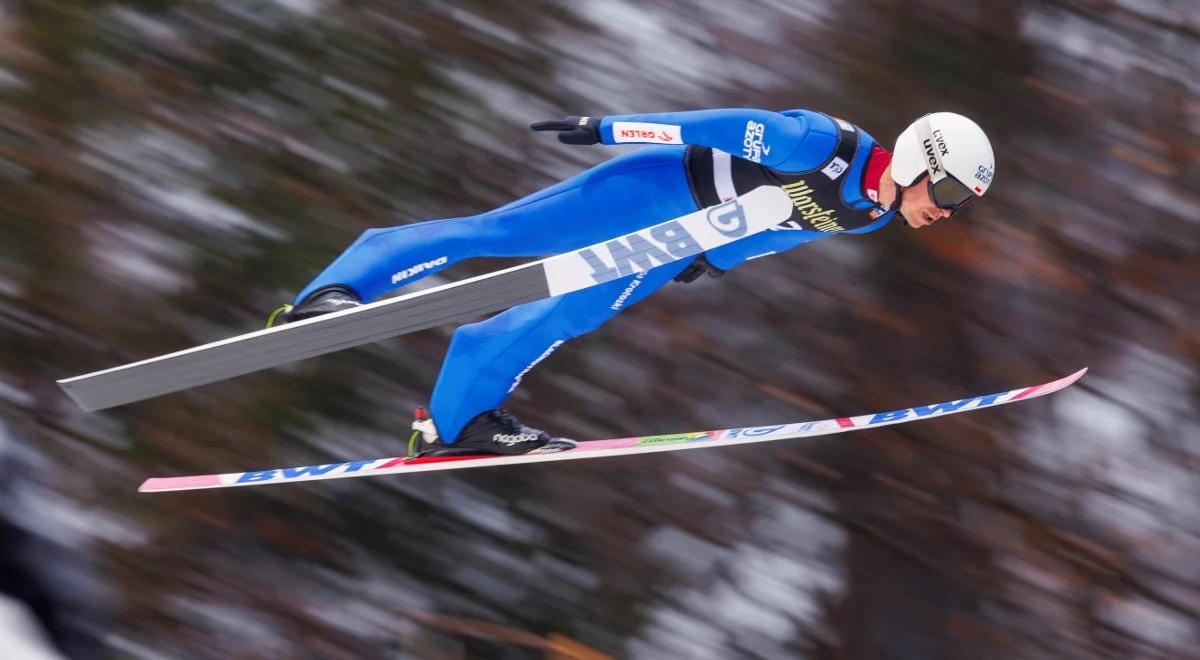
[1027, 392]
[447, 459]
[403, 460]
[844, 422]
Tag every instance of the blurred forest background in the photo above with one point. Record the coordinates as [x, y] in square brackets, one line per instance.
[171, 171]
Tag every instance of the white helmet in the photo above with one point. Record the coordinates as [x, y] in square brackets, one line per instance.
[953, 150]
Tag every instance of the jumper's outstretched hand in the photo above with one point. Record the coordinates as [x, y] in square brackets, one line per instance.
[572, 130]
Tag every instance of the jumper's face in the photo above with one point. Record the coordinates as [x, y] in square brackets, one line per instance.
[916, 206]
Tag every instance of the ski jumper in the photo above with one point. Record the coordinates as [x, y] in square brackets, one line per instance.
[701, 158]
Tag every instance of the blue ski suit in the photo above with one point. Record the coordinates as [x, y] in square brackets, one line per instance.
[701, 158]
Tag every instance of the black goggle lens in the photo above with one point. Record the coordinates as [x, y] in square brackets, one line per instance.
[950, 194]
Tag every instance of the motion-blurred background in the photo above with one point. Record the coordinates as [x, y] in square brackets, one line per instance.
[171, 171]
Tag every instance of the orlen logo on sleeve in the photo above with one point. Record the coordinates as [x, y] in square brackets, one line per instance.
[639, 131]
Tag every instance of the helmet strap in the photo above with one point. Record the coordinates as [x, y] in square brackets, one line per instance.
[895, 205]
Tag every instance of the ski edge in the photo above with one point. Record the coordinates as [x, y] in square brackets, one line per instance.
[714, 438]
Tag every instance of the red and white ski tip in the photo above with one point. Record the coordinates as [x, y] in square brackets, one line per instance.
[600, 448]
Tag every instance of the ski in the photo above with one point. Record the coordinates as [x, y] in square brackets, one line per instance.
[602, 448]
[680, 238]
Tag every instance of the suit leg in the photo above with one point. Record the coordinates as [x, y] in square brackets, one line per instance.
[624, 194]
[487, 360]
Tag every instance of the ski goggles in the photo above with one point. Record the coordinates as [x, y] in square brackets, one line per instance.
[945, 191]
[949, 193]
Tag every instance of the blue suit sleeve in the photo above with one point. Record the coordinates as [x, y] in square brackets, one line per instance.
[782, 142]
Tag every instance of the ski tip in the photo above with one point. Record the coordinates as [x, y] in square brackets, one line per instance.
[1054, 385]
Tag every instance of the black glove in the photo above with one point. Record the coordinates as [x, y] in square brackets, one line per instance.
[698, 267]
[572, 130]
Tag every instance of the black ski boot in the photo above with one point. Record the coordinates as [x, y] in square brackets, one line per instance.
[333, 298]
[491, 432]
